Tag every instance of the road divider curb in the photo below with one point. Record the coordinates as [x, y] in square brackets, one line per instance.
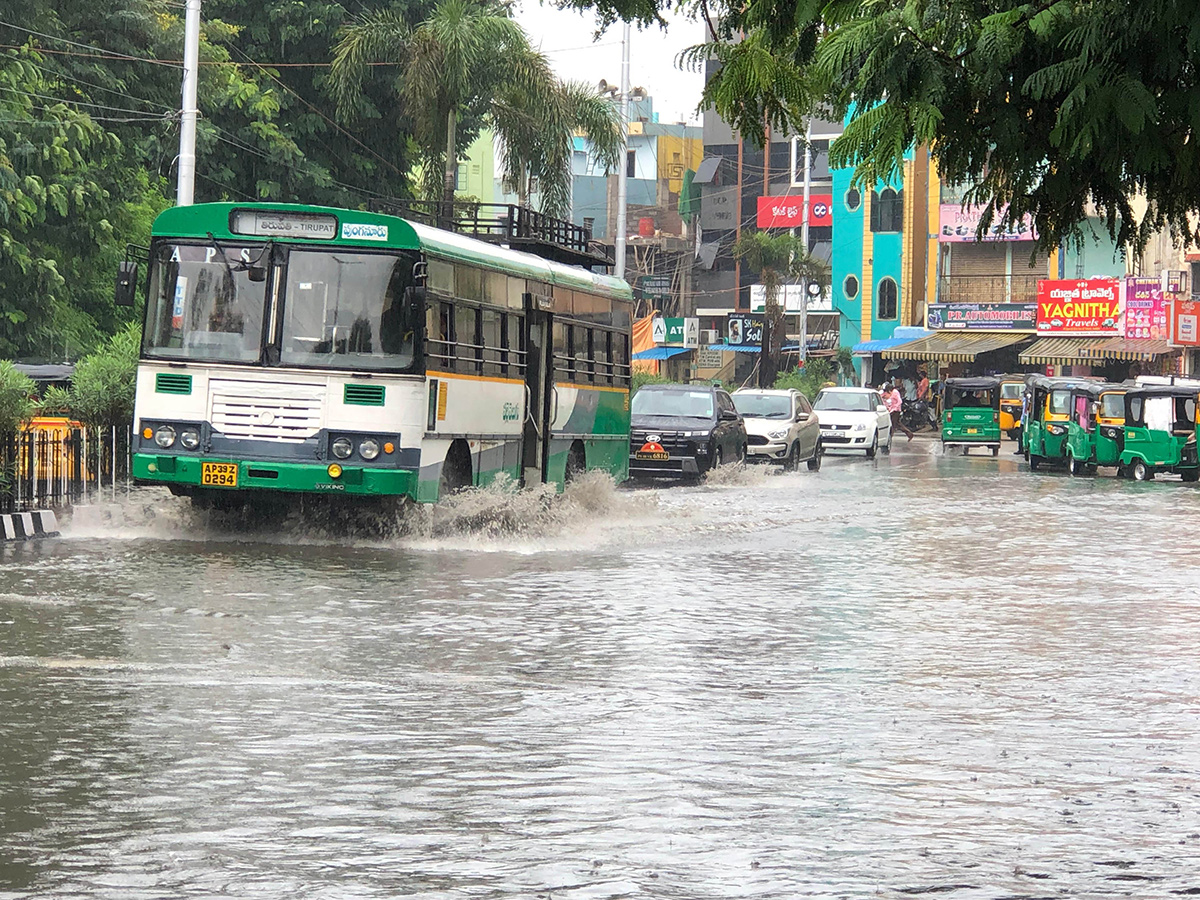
[28, 526]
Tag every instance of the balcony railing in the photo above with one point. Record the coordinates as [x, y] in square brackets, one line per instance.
[988, 288]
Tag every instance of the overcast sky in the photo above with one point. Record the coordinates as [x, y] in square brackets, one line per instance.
[566, 38]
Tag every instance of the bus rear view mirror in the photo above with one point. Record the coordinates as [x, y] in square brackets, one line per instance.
[126, 288]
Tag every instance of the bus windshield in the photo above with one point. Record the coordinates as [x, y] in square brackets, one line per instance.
[202, 303]
[347, 309]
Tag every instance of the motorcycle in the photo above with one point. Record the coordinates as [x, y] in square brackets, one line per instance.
[918, 414]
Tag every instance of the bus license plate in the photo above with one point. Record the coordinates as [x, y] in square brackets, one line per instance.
[972, 431]
[218, 474]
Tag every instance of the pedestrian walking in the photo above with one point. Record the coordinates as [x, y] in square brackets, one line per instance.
[894, 400]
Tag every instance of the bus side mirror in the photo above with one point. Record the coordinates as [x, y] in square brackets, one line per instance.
[126, 287]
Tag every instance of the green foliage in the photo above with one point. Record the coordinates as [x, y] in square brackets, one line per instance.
[103, 385]
[640, 379]
[1055, 109]
[16, 398]
[808, 379]
[55, 401]
[469, 63]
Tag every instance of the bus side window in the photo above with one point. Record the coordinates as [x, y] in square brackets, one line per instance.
[572, 350]
[466, 338]
[493, 354]
[604, 348]
[561, 350]
[438, 324]
[621, 358]
[516, 345]
[589, 367]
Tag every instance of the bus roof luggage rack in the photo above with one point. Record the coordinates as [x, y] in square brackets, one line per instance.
[506, 223]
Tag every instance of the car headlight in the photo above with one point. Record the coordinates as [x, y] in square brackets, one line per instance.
[368, 449]
[861, 426]
[189, 438]
[342, 448]
[776, 435]
[165, 436]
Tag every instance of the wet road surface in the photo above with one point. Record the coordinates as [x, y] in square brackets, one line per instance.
[921, 676]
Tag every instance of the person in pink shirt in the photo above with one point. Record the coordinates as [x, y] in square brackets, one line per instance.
[894, 400]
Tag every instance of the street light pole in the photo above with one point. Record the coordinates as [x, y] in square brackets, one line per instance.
[622, 171]
[186, 188]
[804, 240]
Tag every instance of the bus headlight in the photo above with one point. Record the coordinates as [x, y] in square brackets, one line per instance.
[368, 449]
[165, 436]
[189, 438]
[342, 448]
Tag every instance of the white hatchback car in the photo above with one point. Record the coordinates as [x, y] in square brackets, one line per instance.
[780, 427]
[854, 419]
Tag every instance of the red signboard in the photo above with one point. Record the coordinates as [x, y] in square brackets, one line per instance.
[1087, 306]
[1185, 322]
[788, 211]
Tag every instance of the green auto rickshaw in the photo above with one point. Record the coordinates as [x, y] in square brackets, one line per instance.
[1160, 432]
[971, 413]
[1047, 415]
[1095, 433]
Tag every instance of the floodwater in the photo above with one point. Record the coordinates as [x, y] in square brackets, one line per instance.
[922, 676]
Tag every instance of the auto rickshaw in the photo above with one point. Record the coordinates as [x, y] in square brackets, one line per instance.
[1095, 434]
[1011, 389]
[971, 413]
[1047, 418]
[1160, 432]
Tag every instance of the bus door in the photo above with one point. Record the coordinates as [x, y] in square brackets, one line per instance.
[539, 387]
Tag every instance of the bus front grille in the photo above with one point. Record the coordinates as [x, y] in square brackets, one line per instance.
[259, 411]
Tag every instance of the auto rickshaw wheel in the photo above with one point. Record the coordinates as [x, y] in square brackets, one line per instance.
[1072, 466]
[1141, 472]
[996, 450]
[1034, 462]
[1190, 474]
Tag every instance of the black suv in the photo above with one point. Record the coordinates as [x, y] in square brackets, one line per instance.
[683, 430]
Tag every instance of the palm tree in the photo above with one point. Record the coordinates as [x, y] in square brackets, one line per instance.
[470, 58]
[778, 258]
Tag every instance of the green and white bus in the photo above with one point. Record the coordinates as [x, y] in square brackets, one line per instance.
[294, 349]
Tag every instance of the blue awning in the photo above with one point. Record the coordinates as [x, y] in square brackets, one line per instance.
[660, 352]
[790, 347]
[902, 335]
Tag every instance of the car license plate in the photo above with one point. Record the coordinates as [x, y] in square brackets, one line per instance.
[972, 431]
[218, 474]
[652, 451]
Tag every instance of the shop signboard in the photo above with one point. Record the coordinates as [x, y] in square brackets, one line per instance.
[1184, 318]
[982, 316]
[790, 296]
[1084, 307]
[788, 211]
[959, 224]
[675, 332]
[709, 359]
[653, 287]
[745, 330]
[1145, 309]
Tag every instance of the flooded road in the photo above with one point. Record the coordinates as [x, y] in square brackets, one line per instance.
[922, 676]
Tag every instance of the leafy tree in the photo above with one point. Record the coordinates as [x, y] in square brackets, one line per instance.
[103, 384]
[1047, 108]
[807, 379]
[470, 64]
[16, 399]
[778, 258]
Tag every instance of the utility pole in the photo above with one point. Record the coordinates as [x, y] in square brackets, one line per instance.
[622, 172]
[804, 240]
[185, 193]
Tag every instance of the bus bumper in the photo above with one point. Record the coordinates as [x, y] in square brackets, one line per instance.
[315, 478]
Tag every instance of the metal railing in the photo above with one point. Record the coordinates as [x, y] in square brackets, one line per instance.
[988, 288]
[52, 468]
[504, 223]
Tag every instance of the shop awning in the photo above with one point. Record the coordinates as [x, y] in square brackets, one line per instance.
[1060, 351]
[954, 346]
[1129, 349]
[660, 352]
[903, 334]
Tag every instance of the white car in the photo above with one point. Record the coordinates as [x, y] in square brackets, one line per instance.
[854, 419]
[780, 427]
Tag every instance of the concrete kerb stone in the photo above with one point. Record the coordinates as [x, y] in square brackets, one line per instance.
[27, 526]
